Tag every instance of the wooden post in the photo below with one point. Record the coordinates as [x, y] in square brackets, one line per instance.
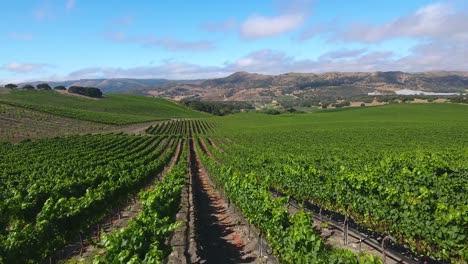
[383, 247]
[260, 248]
[345, 230]
[81, 243]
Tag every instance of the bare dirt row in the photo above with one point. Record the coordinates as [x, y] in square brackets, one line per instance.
[212, 230]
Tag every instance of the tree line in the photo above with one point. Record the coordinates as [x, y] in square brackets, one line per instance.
[86, 91]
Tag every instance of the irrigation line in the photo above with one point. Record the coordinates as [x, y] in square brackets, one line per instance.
[361, 237]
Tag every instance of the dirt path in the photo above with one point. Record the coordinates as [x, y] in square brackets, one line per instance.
[219, 238]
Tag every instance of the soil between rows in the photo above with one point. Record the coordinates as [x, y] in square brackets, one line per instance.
[219, 237]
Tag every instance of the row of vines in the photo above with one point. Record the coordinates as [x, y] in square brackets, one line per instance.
[143, 240]
[404, 187]
[185, 127]
[55, 189]
[291, 237]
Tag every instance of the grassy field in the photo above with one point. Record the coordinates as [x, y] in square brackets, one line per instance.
[112, 109]
[436, 124]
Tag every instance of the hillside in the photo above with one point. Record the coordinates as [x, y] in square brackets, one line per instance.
[112, 109]
[17, 124]
[242, 86]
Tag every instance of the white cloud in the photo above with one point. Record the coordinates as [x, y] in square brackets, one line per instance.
[437, 55]
[435, 21]
[260, 26]
[424, 57]
[20, 36]
[292, 14]
[23, 67]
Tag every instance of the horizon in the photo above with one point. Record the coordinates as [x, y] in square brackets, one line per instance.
[60, 40]
[127, 78]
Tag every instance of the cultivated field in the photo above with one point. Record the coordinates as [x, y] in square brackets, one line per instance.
[360, 185]
[115, 109]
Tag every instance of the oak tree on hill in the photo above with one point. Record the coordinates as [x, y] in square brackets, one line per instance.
[86, 91]
[43, 86]
[28, 87]
[11, 86]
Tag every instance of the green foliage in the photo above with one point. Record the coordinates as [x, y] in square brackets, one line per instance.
[53, 189]
[142, 241]
[60, 87]
[114, 109]
[271, 111]
[28, 87]
[397, 169]
[292, 238]
[461, 99]
[86, 91]
[183, 127]
[218, 108]
[11, 86]
[43, 86]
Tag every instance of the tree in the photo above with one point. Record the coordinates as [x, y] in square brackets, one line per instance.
[43, 86]
[60, 87]
[28, 87]
[11, 86]
[94, 92]
[86, 91]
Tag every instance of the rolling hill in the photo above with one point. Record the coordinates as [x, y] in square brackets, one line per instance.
[115, 85]
[112, 109]
[244, 86]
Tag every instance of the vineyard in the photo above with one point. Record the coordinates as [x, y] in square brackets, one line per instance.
[116, 109]
[391, 179]
[257, 188]
[17, 124]
[182, 127]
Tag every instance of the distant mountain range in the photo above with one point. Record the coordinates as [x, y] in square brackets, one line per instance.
[244, 86]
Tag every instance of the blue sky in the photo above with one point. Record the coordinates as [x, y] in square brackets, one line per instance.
[73, 39]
